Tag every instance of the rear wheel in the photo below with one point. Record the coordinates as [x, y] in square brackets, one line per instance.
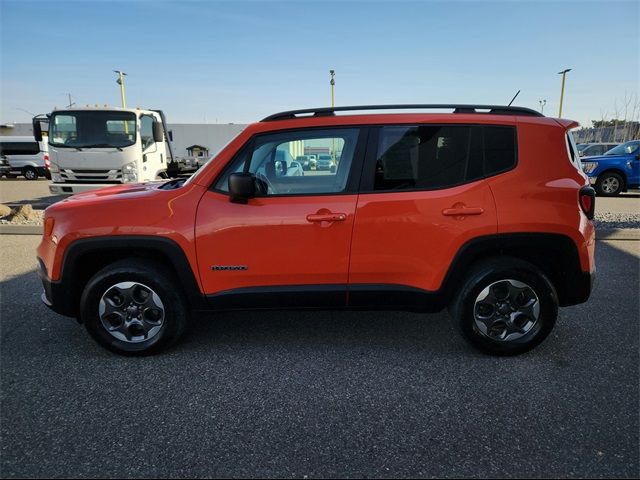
[130, 308]
[609, 184]
[505, 307]
[30, 173]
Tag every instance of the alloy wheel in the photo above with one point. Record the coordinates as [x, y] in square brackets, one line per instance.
[131, 312]
[506, 310]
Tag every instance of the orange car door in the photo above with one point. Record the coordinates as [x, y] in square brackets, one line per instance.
[423, 196]
[290, 245]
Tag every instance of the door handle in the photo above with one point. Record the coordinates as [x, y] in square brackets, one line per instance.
[462, 211]
[326, 217]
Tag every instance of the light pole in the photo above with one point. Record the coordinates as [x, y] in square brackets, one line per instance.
[120, 81]
[333, 104]
[333, 87]
[564, 74]
[542, 104]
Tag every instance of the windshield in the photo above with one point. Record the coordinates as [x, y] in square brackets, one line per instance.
[625, 149]
[582, 146]
[92, 129]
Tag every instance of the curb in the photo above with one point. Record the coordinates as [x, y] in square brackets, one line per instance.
[601, 233]
[618, 234]
[7, 229]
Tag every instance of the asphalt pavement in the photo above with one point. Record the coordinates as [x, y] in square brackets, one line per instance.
[321, 394]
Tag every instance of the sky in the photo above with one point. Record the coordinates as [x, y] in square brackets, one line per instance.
[237, 62]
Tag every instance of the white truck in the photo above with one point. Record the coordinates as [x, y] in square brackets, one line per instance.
[93, 147]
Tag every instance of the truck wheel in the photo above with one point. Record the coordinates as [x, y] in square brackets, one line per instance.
[609, 184]
[30, 173]
[132, 307]
[505, 306]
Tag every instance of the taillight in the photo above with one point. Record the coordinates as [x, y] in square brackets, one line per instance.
[47, 163]
[588, 201]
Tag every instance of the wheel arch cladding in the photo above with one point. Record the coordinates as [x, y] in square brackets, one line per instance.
[85, 257]
[555, 254]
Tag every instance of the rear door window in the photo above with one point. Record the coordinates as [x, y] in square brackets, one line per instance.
[431, 157]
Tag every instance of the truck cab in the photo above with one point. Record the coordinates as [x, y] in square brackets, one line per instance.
[92, 147]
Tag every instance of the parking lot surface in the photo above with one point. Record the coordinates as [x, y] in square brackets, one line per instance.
[345, 394]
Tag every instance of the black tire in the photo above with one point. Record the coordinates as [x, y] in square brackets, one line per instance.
[147, 273]
[462, 307]
[605, 182]
[30, 173]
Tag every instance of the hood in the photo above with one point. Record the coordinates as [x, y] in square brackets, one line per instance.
[127, 191]
[601, 158]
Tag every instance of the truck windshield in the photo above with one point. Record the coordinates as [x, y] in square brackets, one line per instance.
[624, 149]
[92, 129]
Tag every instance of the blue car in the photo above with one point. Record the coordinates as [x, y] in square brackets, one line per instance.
[616, 171]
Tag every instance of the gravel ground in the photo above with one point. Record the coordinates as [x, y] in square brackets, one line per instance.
[617, 220]
[36, 221]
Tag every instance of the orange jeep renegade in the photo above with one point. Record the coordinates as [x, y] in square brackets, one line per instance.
[481, 209]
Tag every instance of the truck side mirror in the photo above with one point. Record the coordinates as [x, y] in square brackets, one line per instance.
[158, 133]
[170, 135]
[37, 130]
[242, 187]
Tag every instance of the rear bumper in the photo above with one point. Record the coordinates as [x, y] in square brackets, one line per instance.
[54, 295]
[72, 188]
[580, 290]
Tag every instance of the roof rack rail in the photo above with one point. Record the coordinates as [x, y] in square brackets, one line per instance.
[457, 108]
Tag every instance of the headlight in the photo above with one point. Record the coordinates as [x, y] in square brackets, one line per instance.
[589, 167]
[130, 172]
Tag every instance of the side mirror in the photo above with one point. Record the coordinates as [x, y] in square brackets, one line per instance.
[170, 133]
[37, 130]
[158, 133]
[242, 187]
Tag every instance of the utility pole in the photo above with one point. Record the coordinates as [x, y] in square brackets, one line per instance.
[564, 74]
[542, 104]
[120, 81]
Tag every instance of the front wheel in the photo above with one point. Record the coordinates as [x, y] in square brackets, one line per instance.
[133, 307]
[30, 173]
[609, 184]
[506, 306]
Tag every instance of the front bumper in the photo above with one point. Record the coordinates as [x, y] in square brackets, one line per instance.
[55, 296]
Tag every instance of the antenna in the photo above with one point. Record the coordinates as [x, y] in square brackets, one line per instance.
[514, 97]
